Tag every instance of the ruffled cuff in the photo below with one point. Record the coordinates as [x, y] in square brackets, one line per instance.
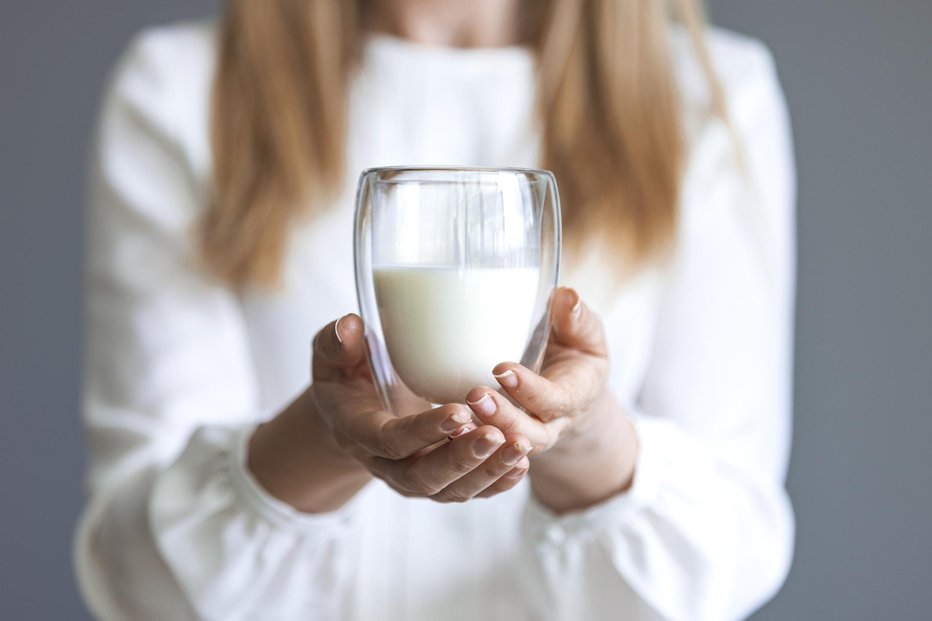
[270, 509]
[656, 439]
[234, 549]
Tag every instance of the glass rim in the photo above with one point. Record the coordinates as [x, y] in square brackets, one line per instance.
[378, 172]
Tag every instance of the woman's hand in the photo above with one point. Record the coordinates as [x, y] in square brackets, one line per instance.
[329, 443]
[439, 453]
[584, 447]
[572, 378]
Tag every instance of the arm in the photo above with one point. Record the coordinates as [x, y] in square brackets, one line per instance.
[176, 526]
[194, 512]
[704, 528]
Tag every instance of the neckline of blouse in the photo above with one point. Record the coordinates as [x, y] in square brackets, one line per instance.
[396, 50]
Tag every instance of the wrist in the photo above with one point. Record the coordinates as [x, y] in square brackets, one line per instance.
[591, 464]
[294, 458]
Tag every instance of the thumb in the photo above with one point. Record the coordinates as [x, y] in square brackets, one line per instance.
[339, 348]
[575, 325]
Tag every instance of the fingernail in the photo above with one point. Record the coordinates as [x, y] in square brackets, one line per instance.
[507, 378]
[485, 405]
[462, 430]
[486, 445]
[515, 451]
[455, 421]
[336, 330]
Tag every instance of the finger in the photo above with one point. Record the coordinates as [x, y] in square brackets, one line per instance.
[574, 325]
[504, 460]
[569, 390]
[508, 481]
[405, 436]
[338, 348]
[428, 474]
[492, 408]
[383, 435]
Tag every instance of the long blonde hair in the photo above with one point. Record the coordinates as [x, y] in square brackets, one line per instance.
[608, 107]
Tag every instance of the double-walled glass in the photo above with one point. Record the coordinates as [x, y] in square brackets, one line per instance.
[454, 272]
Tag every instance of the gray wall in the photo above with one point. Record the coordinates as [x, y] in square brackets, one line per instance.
[858, 76]
[859, 80]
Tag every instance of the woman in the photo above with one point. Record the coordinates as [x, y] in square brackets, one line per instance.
[645, 479]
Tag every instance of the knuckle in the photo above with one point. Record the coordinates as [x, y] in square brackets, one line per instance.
[390, 451]
[429, 489]
[413, 480]
[416, 483]
[448, 496]
[387, 444]
[380, 468]
[495, 470]
[404, 491]
[409, 490]
[422, 428]
[393, 482]
[494, 489]
[510, 414]
[511, 480]
[541, 405]
[462, 463]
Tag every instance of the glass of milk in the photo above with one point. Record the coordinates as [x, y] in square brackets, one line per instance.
[454, 272]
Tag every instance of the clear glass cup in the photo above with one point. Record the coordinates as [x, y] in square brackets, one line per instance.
[454, 272]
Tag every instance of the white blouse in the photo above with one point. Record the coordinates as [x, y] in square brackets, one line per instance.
[180, 369]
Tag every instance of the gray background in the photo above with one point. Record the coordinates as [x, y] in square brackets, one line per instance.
[859, 80]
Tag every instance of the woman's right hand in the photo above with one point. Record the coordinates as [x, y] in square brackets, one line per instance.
[438, 454]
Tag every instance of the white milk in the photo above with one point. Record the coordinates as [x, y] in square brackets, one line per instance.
[445, 329]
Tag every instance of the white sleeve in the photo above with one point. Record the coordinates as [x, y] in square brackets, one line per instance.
[175, 526]
[707, 530]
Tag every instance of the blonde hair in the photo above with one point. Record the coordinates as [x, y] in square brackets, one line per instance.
[608, 106]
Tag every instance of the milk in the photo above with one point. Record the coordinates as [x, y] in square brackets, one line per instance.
[446, 328]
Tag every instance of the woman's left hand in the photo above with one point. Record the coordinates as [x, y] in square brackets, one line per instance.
[584, 446]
